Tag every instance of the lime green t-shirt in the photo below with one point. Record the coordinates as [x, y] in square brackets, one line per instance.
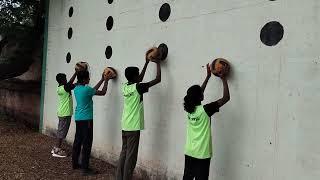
[198, 143]
[65, 106]
[133, 112]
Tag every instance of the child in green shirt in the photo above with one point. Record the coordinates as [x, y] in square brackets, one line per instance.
[65, 111]
[198, 148]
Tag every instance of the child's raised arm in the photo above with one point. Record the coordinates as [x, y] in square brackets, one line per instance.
[73, 77]
[158, 77]
[226, 95]
[143, 72]
[97, 86]
[204, 84]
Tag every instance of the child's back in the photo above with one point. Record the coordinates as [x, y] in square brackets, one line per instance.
[65, 106]
[133, 111]
[84, 108]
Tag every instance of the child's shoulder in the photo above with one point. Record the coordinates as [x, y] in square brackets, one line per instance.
[82, 87]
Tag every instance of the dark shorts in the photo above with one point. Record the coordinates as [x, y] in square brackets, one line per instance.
[196, 168]
[63, 127]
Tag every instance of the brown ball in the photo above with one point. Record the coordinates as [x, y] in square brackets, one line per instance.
[81, 66]
[109, 72]
[153, 54]
[220, 67]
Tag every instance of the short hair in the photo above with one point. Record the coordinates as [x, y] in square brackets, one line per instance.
[82, 75]
[193, 98]
[60, 77]
[131, 73]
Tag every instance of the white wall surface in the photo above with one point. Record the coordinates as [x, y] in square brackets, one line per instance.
[268, 131]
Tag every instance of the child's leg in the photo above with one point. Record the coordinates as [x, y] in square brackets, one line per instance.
[132, 154]
[189, 171]
[203, 169]
[87, 144]
[122, 158]
[77, 144]
[63, 128]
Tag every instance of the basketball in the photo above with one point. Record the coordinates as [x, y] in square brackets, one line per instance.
[81, 66]
[220, 67]
[152, 54]
[109, 72]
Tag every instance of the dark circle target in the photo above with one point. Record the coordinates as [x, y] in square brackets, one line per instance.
[68, 57]
[109, 23]
[108, 52]
[271, 33]
[70, 11]
[164, 12]
[70, 32]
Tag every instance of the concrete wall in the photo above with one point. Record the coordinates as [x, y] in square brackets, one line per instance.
[20, 96]
[269, 129]
[21, 100]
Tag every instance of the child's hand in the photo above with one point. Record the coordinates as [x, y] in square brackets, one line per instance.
[223, 78]
[208, 70]
[150, 50]
[156, 60]
[107, 76]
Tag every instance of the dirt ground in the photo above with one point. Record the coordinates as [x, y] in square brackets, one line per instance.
[25, 154]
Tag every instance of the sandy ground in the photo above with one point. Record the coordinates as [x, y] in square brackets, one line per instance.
[25, 154]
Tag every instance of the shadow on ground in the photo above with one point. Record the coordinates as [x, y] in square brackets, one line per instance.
[25, 154]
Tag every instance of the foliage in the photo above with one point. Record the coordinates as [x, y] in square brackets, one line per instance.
[18, 15]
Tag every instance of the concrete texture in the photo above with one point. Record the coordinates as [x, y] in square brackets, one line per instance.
[21, 101]
[268, 130]
[20, 96]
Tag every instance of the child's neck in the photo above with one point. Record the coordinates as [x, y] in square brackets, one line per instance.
[131, 82]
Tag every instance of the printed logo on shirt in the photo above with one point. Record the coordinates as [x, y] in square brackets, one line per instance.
[128, 95]
[193, 119]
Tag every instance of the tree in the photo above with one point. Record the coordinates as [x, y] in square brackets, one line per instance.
[18, 14]
[21, 29]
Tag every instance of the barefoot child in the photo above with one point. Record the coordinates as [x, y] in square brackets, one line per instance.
[198, 148]
[133, 118]
[65, 111]
[84, 119]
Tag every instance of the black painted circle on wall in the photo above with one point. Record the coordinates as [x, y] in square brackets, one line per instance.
[70, 31]
[164, 51]
[68, 57]
[108, 52]
[71, 11]
[110, 1]
[271, 33]
[109, 23]
[164, 12]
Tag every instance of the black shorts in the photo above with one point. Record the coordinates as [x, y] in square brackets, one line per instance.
[196, 168]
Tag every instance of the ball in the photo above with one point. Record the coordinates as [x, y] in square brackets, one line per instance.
[109, 72]
[220, 67]
[81, 66]
[153, 54]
